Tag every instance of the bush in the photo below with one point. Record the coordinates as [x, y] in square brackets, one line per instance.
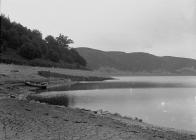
[29, 51]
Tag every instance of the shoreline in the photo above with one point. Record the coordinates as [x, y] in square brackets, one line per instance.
[44, 121]
[22, 119]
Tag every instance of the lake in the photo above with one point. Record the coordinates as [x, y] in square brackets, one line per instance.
[168, 101]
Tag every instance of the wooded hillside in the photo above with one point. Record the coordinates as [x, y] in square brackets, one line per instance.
[21, 45]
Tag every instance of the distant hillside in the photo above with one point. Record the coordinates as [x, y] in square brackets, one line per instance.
[138, 62]
[21, 45]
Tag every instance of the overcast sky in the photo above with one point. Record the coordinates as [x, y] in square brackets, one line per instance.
[160, 27]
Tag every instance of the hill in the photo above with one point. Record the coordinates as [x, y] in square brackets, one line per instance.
[137, 62]
[21, 45]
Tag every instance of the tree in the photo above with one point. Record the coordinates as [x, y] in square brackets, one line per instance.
[53, 56]
[24, 39]
[63, 41]
[37, 34]
[5, 22]
[52, 45]
[29, 51]
[13, 39]
[3, 46]
[51, 41]
[30, 45]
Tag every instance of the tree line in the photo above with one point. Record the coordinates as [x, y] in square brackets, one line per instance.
[30, 44]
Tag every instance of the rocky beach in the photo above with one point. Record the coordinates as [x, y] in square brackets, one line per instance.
[22, 119]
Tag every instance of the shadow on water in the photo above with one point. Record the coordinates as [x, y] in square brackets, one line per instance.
[54, 100]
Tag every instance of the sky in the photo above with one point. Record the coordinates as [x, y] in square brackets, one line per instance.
[160, 27]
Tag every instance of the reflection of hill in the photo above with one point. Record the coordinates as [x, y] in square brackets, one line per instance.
[54, 99]
[124, 84]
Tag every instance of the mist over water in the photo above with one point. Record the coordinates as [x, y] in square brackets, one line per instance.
[164, 101]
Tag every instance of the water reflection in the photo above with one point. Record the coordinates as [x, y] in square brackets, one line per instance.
[53, 99]
[170, 106]
[123, 84]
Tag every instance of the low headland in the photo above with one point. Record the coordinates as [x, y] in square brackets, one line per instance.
[22, 119]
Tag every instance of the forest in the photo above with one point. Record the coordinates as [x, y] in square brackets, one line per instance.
[21, 45]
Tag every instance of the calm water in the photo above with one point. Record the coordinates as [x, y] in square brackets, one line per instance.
[164, 101]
